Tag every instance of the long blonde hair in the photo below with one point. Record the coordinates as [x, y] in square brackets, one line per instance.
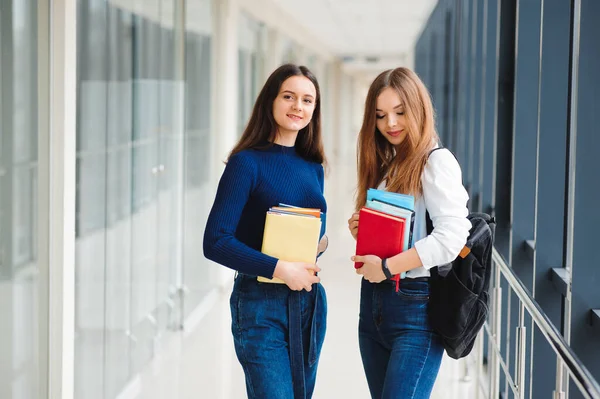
[402, 166]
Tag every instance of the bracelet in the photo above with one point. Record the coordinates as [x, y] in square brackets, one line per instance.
[385, 269]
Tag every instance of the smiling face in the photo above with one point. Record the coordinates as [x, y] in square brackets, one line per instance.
[391, 121]
[294, 106]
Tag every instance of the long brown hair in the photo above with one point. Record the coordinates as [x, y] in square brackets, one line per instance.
[261, 130]
[402, 166]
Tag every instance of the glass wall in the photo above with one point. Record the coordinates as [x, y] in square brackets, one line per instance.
[198, 273]
[290, 51]
[251, 59]
[20, 285]
[324, 72]
[142, 167]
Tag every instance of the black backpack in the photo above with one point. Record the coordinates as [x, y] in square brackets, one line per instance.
[459, 291]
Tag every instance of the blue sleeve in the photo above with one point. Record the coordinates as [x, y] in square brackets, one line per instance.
[220, 244]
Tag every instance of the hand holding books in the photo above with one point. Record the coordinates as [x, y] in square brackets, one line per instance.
[353, 224]
[292, 235]
[297, 276]
[371, 268]
[385, 230]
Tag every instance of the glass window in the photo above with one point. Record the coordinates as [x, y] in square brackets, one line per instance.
[290, 51]
[198, 272]
[142, 163]
[250, 51]
[20, 285]
[92, 108]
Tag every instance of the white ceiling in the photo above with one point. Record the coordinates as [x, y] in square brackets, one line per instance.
[368, 35]
[357, 29]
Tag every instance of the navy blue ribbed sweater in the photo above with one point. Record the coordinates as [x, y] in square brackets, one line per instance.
[253, 181]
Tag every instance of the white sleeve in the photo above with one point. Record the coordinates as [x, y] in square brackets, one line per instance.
[446, 200]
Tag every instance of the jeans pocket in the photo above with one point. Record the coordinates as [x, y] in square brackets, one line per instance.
[414, 290]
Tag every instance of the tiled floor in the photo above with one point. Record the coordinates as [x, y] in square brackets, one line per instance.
[201, 363]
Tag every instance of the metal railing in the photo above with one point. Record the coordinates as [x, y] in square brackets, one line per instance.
[569, 367]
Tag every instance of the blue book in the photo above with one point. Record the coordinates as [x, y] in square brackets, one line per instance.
[395, 199]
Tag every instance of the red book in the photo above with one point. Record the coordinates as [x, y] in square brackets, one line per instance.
[379, 234]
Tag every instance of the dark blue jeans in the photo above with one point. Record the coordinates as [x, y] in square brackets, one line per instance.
[278, 335]
[401, 354]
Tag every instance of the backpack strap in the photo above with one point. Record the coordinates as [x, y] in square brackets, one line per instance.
[435, 149]
[434, 270]
[428, 221]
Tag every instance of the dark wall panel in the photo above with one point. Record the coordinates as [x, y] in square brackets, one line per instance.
[586, 269]
[500, 74]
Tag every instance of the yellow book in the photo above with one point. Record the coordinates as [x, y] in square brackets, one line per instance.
[292, 238]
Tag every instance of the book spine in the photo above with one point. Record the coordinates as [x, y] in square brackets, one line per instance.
[412, 227]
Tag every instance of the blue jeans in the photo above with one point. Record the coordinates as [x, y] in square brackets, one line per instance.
[401, 354]
[278, 335]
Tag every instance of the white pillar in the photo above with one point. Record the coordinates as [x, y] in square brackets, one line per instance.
[328, 104]
[335, 137]
[345, 135]
[57, 165]
[336, 110]
[225, 97]
[301, 55]
[409, 60]
[274, 51]
[179, 128]
[225, 89]
[359, 95]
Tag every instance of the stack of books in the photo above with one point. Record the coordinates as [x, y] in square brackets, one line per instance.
[385, 225]
[291, 234]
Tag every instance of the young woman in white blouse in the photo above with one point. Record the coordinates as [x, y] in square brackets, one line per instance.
[401, 354]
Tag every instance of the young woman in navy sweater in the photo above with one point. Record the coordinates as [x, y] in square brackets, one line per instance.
[278, 329]
[400, 352]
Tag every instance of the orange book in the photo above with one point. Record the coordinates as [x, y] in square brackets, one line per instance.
[304, 211]
[379, 234]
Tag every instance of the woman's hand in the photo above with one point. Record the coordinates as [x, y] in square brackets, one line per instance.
[371, 268]
[298, 276]
[323, 244]
[353, 225]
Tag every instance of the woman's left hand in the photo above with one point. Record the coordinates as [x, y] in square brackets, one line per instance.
[371, 268]
[323, 244]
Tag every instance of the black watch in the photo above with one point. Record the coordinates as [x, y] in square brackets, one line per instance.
[385, 269]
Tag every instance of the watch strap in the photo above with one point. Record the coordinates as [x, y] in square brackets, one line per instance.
[385, 269]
